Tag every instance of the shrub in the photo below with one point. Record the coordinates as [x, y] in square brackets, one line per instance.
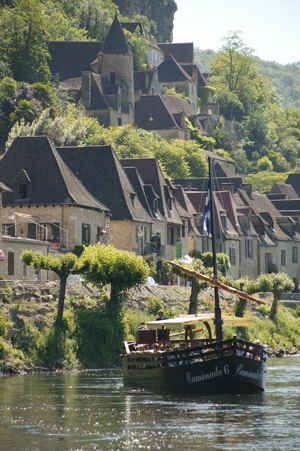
[154, 305]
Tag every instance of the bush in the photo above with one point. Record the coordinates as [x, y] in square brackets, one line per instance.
[98, 346]
[154, 305]
[44, 93]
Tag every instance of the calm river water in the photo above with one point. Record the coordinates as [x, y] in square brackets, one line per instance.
[95, 411]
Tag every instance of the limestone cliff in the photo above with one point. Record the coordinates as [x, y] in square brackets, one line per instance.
[160, 11]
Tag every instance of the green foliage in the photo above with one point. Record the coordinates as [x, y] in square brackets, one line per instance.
[8, 89]
[24, 40]
[59, 349]
[3, 328]
[207, 260]
[264, 164]
[154, 305]
[62, 265]
[103, 265]
[44, 93]
[99, 338]
[139, 48]
[263, 181]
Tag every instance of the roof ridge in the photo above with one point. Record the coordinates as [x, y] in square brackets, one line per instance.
[115, 41]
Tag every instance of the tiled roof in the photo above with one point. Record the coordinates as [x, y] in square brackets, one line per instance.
[294, 180]
[151, 174]
[201, 183]
[138, 186]
[285, 189]
[70, 58]
[183, 52]
[102, 174]
[151, 113]
[170, 71]
[51, 180]
[115, 42]
[176, 105]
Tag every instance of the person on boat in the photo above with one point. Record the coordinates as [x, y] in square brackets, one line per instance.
[163, 333]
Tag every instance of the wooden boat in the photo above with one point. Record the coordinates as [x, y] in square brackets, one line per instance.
[190, 365]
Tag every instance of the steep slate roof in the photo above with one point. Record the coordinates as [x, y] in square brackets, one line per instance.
[115, 42]
[98, 99]
[176, 105]
[138, 186]
[294, 180]
[70, 58]
[285, 189]
[51, 180]
[182, 52]
[201, 183]
[151, 113]
[170, 71]
[151, 174]
[102, 174]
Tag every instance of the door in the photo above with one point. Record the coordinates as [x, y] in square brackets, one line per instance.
[10, 263]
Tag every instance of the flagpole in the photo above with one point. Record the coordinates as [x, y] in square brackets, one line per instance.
[218, 313]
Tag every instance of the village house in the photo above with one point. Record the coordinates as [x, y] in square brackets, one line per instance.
[169, 206]
[47, 202]
[101, 75]
[99, 170]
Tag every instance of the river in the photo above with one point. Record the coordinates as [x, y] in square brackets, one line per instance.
[94, 411]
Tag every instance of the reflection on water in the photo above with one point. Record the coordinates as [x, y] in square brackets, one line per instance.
[94, 410]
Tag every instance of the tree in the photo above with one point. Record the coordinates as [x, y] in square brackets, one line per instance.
[105, 265]
[276, 283]
[239, 87]
[24, 40]
[202, 263]
[63, 265]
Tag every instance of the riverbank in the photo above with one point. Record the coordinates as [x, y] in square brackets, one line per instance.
[30, 343]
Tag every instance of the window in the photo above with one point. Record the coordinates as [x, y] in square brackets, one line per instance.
[283, 258]
[132, 198]
[9, 229]
[183, 228]
[268, 262]
[232, 256]
[31, 231]
[248, 249]
[119, 121]
[295, 255]
[171, 235]
[85, 233]
[10, 263]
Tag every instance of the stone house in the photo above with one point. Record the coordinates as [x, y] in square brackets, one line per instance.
[101, 173]
[171, 218]
[47, 202]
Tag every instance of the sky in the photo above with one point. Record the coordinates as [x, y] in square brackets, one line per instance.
[270, 27]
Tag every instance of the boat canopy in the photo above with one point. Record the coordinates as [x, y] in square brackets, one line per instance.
[189, 320]
[185, 320]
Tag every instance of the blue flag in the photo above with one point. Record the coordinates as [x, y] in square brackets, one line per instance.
[207, 214]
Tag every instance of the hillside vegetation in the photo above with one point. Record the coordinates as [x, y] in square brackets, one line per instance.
[284, 77]
[256, 128]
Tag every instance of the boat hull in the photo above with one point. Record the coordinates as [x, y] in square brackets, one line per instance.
[230, 374]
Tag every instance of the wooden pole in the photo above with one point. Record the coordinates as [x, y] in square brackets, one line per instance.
[215, 283]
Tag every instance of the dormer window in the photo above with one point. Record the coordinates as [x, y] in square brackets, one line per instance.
[132, 198]
[155, 205]
[170, 203]
[22, 184]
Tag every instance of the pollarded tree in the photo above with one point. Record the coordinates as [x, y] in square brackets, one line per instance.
[202, 263]
[105, 265]
[63, 265]
[276, 283]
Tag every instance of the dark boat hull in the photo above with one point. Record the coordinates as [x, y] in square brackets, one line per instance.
[230, 374]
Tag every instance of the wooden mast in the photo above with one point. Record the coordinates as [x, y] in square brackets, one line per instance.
[215, 283]
[218, 313]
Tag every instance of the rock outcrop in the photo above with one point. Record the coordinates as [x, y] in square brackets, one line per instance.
[160, 11]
